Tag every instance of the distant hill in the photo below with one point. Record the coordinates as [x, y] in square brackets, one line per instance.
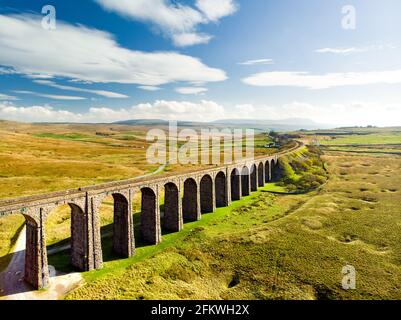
[143, 122]
[290, 124]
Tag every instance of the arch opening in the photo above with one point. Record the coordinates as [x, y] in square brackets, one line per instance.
[123, 237]
[274, 170]
[116, 235]
[261, 175]
[245, 182]
[254, 178]
[206, 194]
[190, 201]
[235, 185]
[267, 171]
[67, 238]
[150, 217]
[11, 227]
[172, 217]
[221, 190]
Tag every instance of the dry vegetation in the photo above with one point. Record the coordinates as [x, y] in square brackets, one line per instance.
[42, 158]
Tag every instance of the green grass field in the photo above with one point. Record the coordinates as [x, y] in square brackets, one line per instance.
[379, 139]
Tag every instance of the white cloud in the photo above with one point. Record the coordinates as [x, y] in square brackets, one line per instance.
[49, 96]
[215, 10]
[38, 76]
[353, 113]
[352, 50]
[256, 62]
[174, 19]
[149, 88]
[6, 71]
[36, 114]
[338, 114]
[343, 51]
[323, 81]
[190, 39]
[77, 52]
[179, 110]
[7, 97]
[107, 94]
[191, 90]
[161, 109]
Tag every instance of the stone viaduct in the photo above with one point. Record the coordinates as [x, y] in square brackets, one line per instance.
[187, 196]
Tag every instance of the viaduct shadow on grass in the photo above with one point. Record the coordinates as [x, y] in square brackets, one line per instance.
[60, 260]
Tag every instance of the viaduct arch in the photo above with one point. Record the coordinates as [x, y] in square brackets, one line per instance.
[245, 182]
[206, 194]
[221, 190]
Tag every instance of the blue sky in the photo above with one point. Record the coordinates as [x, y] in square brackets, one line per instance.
[201, 60]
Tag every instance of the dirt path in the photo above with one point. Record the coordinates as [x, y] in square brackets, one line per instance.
[13, 287]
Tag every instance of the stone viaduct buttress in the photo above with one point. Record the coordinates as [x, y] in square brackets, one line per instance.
[186, 197]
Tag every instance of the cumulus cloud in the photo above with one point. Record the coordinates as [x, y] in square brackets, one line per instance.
[77, 52]
[322, 81]
[49, 96]
[215, 10]
[104, 93]
[191, 90]
[36, 114]
[180, 110]
[161, 109]
[353, 113]
[256, 62]
[190, 38]
[176, 20]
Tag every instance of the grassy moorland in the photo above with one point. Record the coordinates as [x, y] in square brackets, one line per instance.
[369, 137]
[289, 240]
[277, 246]
[40, 158]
